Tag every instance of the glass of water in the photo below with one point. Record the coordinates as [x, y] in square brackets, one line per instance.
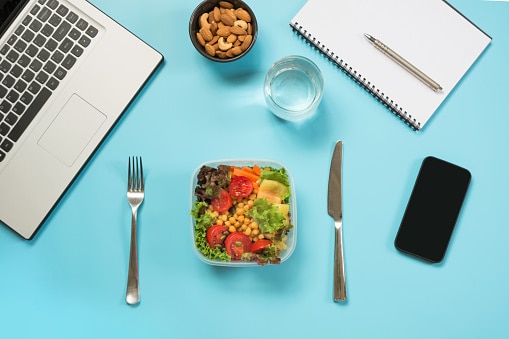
[293, 88]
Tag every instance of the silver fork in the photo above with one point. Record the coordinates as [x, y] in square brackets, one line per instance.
[135, 195]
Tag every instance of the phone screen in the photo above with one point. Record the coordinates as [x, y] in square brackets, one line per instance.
[432, 210]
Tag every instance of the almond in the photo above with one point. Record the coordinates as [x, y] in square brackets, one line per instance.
[210, 50]
[236, 50]
[206, 33]
[232, 15]
[227, 19]
[224, 31]
[231, 38]
[217, 14]
[200, 39]
[242, 14]
[210, 18]
[225, 4]
[213, 28]
[214, 39]
[247, 41]
[238, 30]
[222, 55]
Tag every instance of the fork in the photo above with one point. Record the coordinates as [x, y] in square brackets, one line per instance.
[135, 195]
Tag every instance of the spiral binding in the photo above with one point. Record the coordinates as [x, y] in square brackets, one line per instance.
[357, 77]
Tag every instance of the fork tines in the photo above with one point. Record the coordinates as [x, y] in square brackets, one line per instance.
[135, 174]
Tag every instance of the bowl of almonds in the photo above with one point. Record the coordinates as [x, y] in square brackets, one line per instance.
[224, 30]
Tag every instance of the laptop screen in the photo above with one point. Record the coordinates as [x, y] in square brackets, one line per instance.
[8, 11]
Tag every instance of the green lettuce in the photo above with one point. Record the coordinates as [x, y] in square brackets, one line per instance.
[203, 221]
[276, 175]
[267, 215]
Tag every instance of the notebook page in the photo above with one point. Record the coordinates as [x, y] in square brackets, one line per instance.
[430, 34]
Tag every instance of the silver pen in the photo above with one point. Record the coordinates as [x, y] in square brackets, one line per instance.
[404, 63]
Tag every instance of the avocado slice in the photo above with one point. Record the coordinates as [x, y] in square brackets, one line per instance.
[272, 190]
[284, 209]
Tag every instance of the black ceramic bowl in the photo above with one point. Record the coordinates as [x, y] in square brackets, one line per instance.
[206, 7]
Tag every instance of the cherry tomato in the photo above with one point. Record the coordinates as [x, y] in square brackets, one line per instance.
[216, 235]
[223, 202]
[236, 244]
[240, 187]
[259, 245]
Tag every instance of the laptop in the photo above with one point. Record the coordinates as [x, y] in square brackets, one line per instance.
[67, 74]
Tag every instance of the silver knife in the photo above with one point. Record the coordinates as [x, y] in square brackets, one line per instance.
[335, 210]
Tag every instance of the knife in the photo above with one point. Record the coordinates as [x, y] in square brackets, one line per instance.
[335, 210]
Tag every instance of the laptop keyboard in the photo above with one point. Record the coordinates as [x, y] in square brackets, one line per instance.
[34, 61]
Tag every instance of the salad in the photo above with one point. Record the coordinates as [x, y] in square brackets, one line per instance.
[242, 213]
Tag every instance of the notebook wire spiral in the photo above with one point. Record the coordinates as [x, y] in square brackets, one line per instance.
[357, 77]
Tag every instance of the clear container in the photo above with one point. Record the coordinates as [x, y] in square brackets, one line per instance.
[292, 235]
[293, 88]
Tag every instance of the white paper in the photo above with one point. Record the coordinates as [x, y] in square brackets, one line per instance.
[430, 34]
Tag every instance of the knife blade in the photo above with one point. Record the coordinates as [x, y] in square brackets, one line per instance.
[335, 210]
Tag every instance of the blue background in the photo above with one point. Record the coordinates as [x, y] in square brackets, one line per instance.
[69, 282]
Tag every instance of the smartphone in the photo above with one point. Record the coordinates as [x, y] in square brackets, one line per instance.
[433, 209]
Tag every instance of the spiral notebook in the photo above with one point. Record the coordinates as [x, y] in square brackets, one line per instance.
[430, 34]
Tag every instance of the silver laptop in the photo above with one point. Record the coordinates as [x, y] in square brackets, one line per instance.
[67, 73]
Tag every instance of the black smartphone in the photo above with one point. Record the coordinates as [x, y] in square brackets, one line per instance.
[433, 209]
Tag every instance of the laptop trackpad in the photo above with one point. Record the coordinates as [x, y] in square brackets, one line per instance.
[72, 129]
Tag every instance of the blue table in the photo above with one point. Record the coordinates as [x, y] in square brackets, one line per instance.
[69, 282]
